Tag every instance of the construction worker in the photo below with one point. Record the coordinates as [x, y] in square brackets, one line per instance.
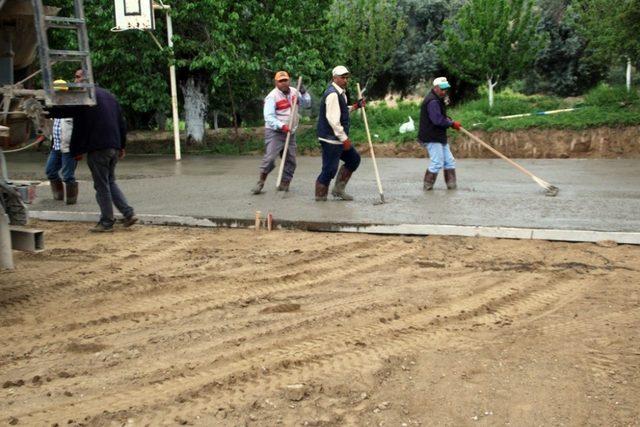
[432, 134]
[100, 131]
[60, 163]
[277, 110]
[333, 135]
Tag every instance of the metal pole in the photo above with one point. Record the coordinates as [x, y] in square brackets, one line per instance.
[6, 256]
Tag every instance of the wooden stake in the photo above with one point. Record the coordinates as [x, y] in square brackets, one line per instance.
[257, 223]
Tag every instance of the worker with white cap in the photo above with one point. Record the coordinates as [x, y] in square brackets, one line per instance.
[432, 134]
[333, 135]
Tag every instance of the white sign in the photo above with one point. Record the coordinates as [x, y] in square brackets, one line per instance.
[134, 15]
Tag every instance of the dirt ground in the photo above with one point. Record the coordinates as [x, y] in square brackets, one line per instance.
[154, 325]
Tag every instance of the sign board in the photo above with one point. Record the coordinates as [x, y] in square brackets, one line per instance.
[134, 15]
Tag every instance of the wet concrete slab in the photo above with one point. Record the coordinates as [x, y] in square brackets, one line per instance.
[595, 195]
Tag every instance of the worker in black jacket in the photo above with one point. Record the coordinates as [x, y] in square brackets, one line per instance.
[100, 132]
[433, 135]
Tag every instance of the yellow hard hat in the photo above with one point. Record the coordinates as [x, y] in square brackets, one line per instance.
[60, 85]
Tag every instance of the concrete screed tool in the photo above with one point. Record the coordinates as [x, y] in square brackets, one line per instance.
[550, 190]
[373, 156]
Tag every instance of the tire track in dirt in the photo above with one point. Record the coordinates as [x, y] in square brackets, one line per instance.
[60, 288]
[67, 293]
[397, 339]
[403, 338]
[170, 312]
[370, 263]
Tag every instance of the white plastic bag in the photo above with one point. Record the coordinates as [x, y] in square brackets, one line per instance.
[408, 126]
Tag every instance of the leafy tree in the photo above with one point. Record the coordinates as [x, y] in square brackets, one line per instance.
[416, 55]
[231, 50]
[612, 31]
[491, 40]
[367, 33]
[566, 66]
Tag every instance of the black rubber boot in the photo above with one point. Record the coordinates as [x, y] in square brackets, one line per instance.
[71, 190]
[57, 189]
[321, 192]
[450, 179]
[429, 180]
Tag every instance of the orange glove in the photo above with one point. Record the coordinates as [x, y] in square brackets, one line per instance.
[346, 145]
[285, 129]
[456, 125]
[78, 157]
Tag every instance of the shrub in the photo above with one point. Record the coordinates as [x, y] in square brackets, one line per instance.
[604, 95]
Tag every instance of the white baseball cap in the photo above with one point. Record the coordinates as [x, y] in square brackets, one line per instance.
[441, 82]
[340, 70]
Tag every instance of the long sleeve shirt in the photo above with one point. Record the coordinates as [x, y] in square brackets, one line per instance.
[275, 120]
[436, 116]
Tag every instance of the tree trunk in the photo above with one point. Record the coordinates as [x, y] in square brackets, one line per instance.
[216, 113]
[490, 86]
[628, 74]
[196, 101]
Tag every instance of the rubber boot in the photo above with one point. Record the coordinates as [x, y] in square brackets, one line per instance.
[257, 189]
[321, 192]
[57, 189]
[284, 185]
[341, 182]
[71, 190]
[429, 180]
[450, 179]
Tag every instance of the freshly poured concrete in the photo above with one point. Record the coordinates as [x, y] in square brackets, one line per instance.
[595, 195]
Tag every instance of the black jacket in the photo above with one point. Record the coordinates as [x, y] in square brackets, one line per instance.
[430, 131]
[97, 127]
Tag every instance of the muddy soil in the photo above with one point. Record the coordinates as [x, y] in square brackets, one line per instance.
[186, 326]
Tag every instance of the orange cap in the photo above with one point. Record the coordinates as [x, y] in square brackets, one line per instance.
[281, 75]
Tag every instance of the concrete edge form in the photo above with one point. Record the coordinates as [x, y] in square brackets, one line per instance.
[632, 238]
[27, 239]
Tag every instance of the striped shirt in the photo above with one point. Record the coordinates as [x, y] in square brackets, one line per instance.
[57, 133]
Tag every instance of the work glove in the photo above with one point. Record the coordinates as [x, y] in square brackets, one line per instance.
[78, 157]
[360, 104]
[346, 144]
[285, 129]
[303, 89]
[456, 125]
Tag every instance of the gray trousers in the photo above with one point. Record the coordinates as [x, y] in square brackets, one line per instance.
[102, 164]
[274, 144]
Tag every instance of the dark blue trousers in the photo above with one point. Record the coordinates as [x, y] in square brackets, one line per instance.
[331, 156]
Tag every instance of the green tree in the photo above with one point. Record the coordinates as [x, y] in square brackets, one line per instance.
[566, 65]
[367, 33]
[416, 56]
[612, 31]
[228, 51]
[490, 41]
